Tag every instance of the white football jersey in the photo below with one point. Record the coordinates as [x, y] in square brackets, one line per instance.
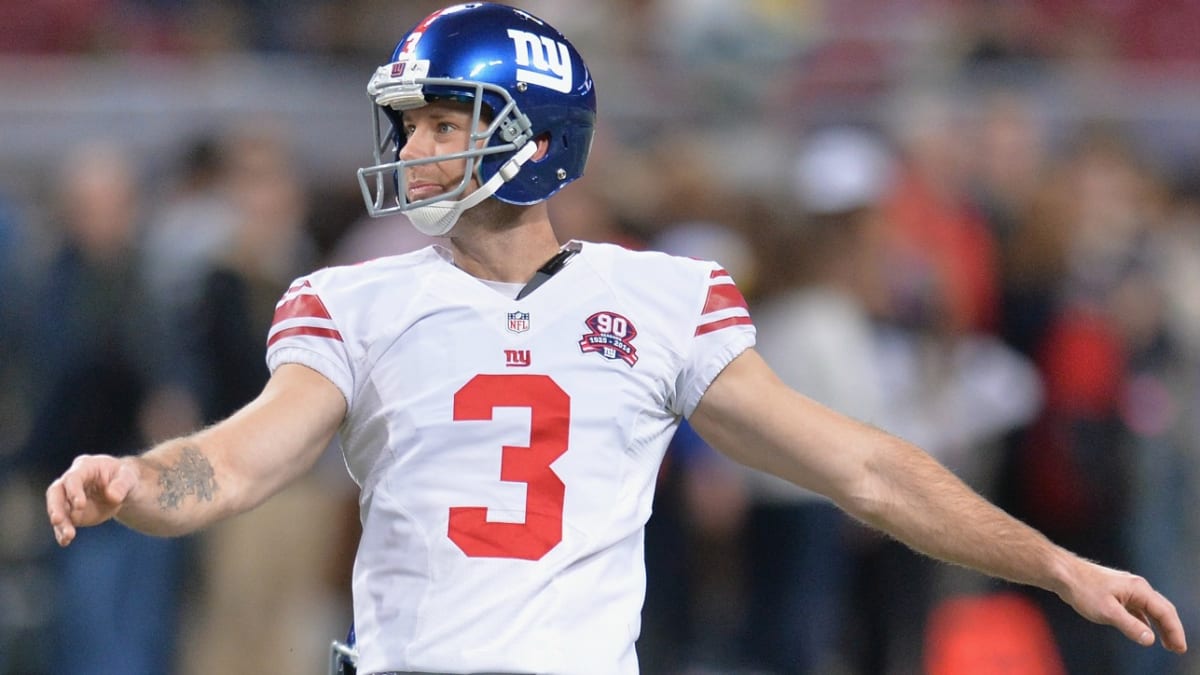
[507, 450]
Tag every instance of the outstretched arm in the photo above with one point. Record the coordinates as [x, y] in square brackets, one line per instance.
[186, 483]
[752, 416]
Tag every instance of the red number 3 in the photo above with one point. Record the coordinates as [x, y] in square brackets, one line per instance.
[550, 415]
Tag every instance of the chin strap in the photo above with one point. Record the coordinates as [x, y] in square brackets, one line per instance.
[439, 218]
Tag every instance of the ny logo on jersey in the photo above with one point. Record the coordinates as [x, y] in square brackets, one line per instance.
[550, 59]
[517, 358]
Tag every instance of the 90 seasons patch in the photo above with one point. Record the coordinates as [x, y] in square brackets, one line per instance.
[611, 335]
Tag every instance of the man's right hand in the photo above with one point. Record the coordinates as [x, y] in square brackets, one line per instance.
[89, 493]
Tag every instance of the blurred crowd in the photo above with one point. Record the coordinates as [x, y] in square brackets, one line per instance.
[945, 226]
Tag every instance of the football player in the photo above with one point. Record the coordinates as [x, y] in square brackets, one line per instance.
[504, 401]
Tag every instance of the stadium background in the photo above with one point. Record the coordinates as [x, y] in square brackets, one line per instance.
[1068, 129]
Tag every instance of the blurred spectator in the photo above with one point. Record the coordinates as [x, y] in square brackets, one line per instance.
[1008, 166]
[290, 539]
[816, 332]
[23, 578]
[942, 258]
[192, 223]
[899, 361]
[248, 268]
[1073, 476]
[102, 354]
[1092, 213]
[832, 332]
[16, 268]
[1159, 407]
[1179, 245]
[1008, 154]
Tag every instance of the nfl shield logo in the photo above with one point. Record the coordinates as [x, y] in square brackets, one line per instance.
[518, 322]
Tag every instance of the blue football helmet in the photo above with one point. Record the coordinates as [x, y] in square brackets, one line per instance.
[525, 81]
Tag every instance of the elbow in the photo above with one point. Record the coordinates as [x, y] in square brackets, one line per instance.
[866, 496]
[866, 505]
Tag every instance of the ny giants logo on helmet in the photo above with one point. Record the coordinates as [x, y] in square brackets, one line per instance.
[550, 57]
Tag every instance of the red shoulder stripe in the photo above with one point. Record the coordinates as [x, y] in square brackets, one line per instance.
[723, 296]
[300, 307]
[305, 330]
[713, 326]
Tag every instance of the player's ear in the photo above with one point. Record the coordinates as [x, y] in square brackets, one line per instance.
[543, 146]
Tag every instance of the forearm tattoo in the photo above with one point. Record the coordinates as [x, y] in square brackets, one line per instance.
[190, 475]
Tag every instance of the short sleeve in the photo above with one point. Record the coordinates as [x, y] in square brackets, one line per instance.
[723, 330]
[304, 332]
